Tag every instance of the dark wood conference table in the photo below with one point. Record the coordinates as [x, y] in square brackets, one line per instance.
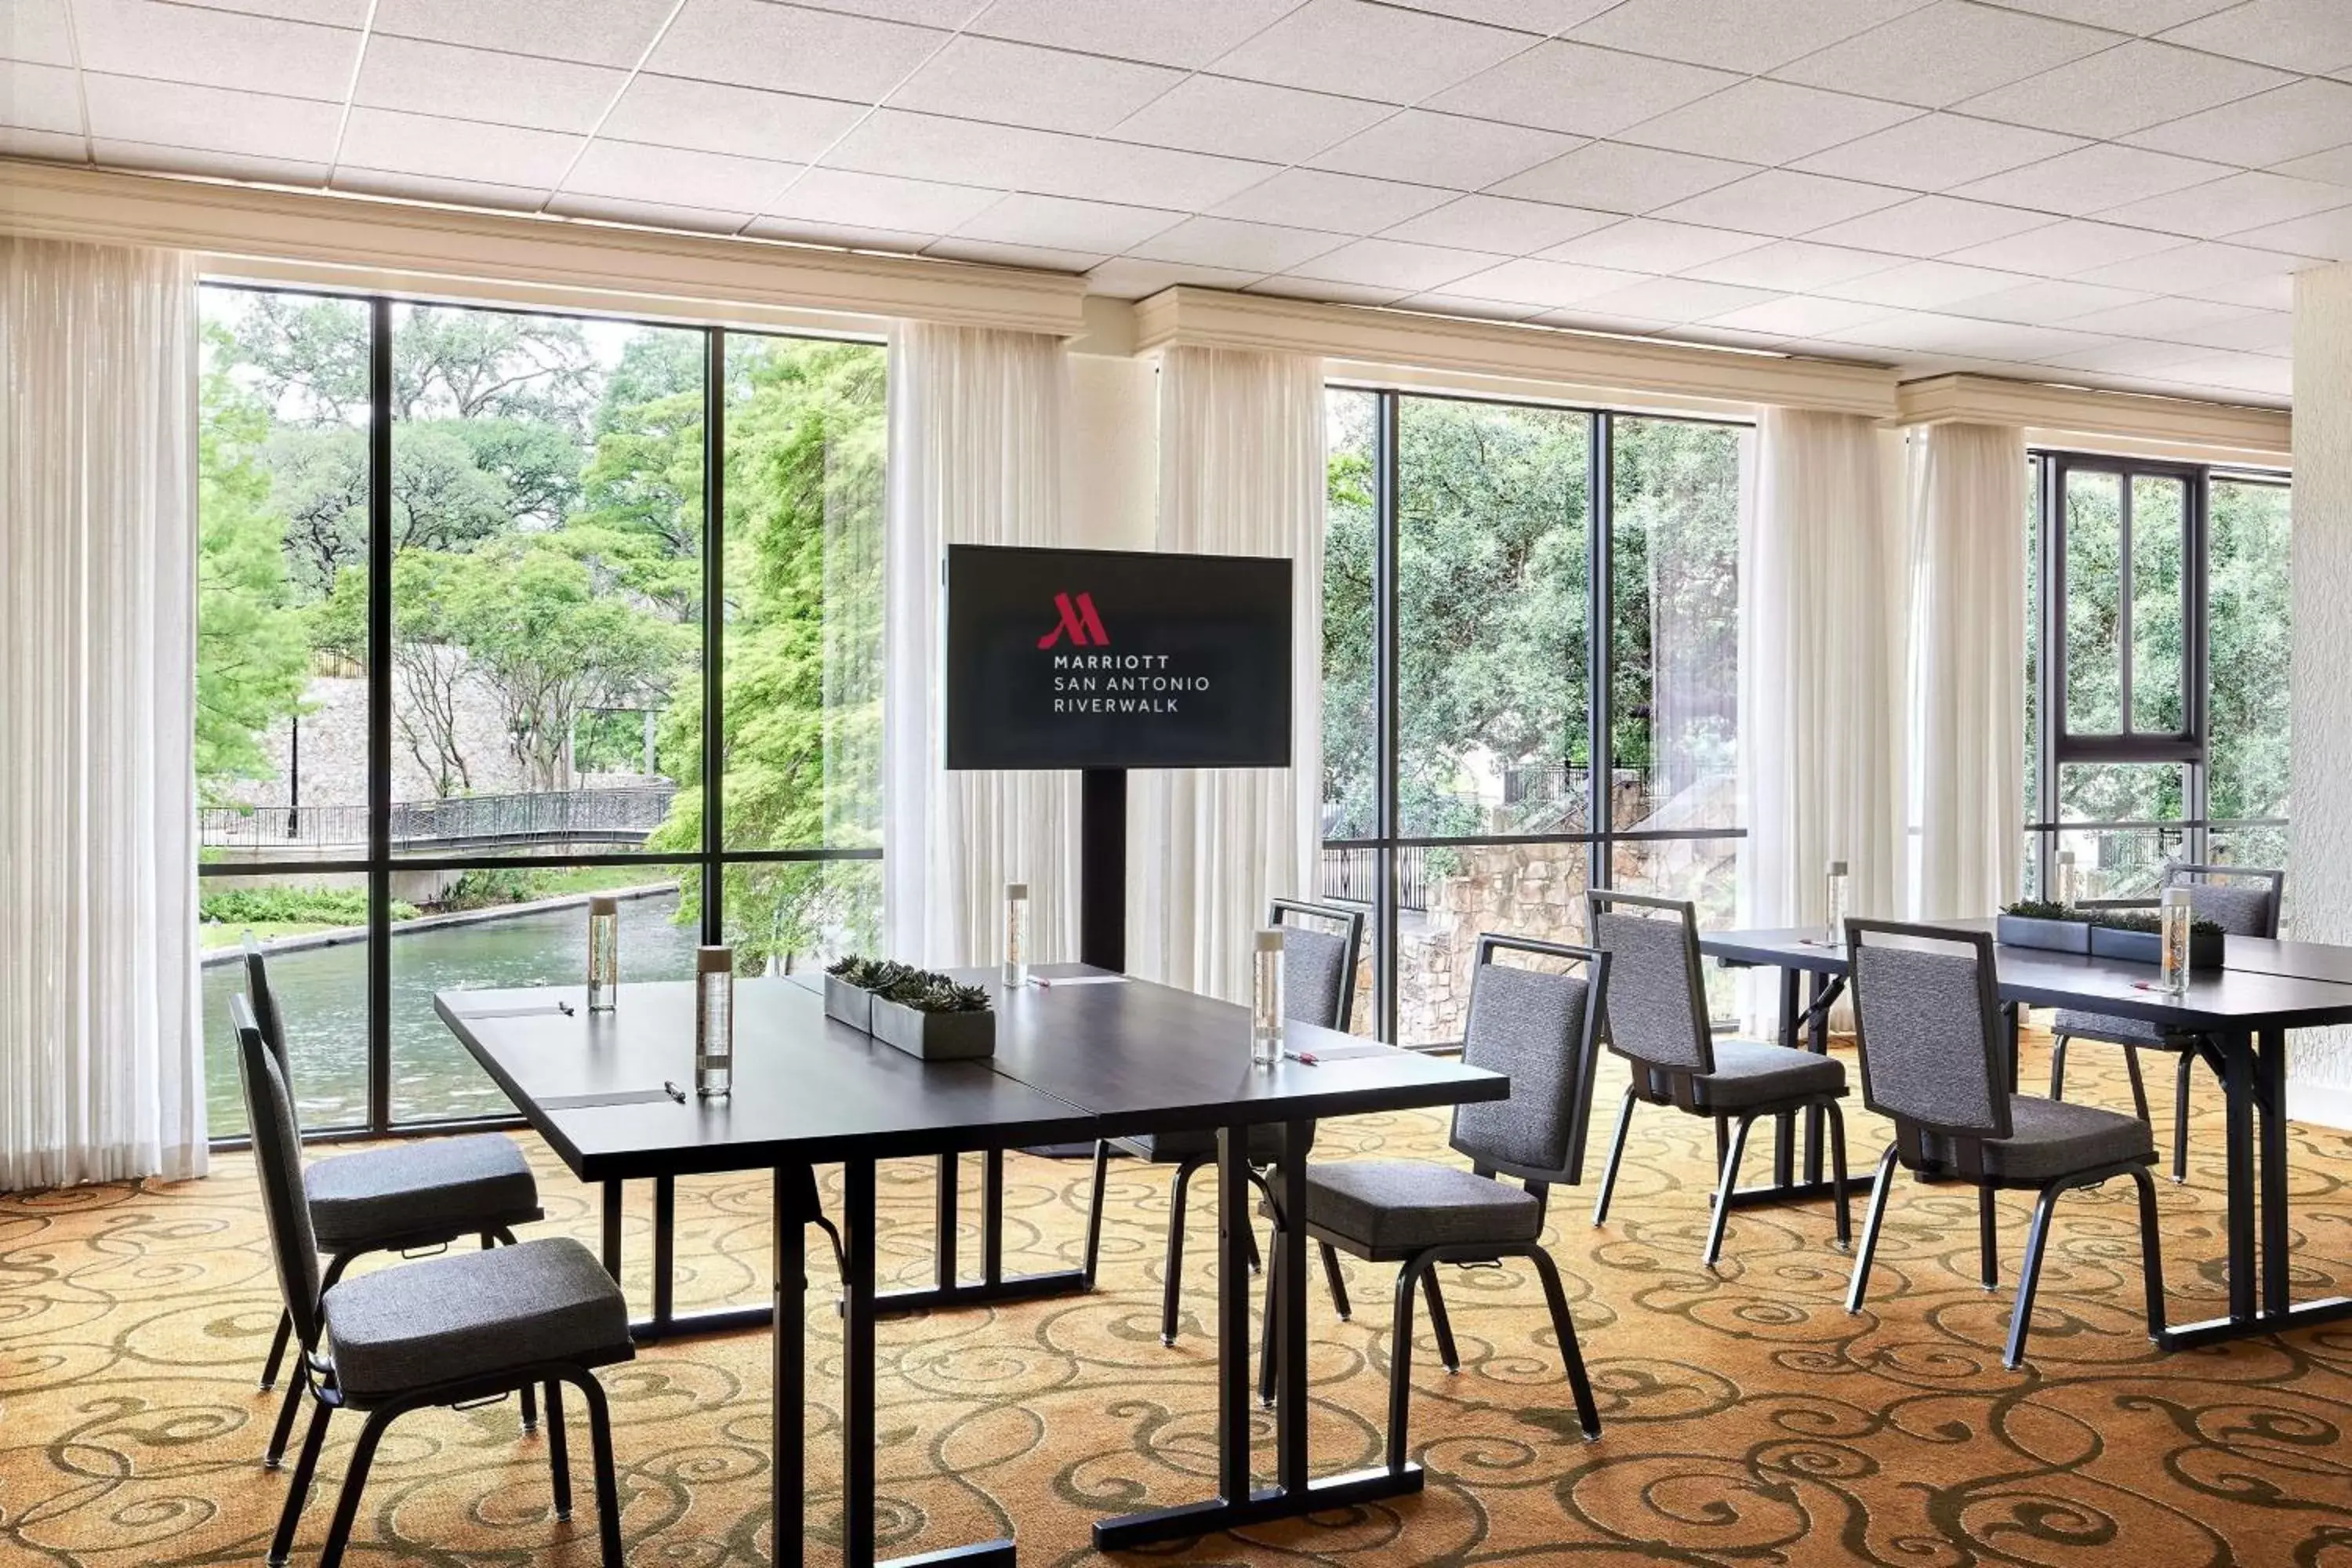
[2264, 989]
[1073, 1063]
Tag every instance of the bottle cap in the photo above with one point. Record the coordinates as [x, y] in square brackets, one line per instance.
[714, 960]
[1837, 868]
[1016, 890]
[1270, 939]
[604, 904]
[2176, 897]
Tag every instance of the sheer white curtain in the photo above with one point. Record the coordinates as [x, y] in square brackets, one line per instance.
[1240, 473]
[1820, 669]
[1967, 486]
[975, 458]
[101, 1058]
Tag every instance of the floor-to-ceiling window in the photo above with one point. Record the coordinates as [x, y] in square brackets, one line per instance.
[1503, 582]
[500, 608]
[2157, 670]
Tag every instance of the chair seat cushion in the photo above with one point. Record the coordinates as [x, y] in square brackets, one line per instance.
[1385, 1206]
[1175, 1148]
[446, 1185]
[2076, 1025]
[474, 1314]
[2051, 1138]
[1748, 1073]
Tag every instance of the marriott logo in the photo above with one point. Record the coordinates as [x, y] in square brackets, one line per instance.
[1079, 620]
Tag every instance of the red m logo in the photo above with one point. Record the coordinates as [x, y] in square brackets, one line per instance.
[1079, 620]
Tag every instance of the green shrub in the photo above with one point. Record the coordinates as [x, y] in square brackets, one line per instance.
[488, 887]
[291, 906]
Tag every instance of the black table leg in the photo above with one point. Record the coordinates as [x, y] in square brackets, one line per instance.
[667, 1322]
[1290, 1384]
[2238, 1082]
[1804, 1026]
[949, 1289]
[1784, 1126]
[613, 1193]
[2270, 1088]
[945, 1219]
[665, 1249]
[1817, 1040]
[788, 1376]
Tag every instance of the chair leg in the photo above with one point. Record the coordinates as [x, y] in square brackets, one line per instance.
[1171, 1288]
[1440, 1324]
[1338, 1281]
[1616, 1154]
[559, 1456]
[347, 1506]
[2030, 1275]
[1587, 1415]
[1266, 1333]
[1869, 1248]
[298, 1488]
[1401, 1365]
[277, 1350]
[1987, 1242]
[1095, 1210]
[2180, 1117]
[2151, 1250]
[275, 1455]
[2058, 1067]
[608, 1486]
[2138, 1085]
[1739, 1144]
[1837, 1176]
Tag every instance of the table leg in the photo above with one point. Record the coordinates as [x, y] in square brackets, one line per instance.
[613, 1193]
[1784, 1126]
[1290, 1387]
[994, 1285]
[944, 1206]
[1804, 1026]
[992, 1218]
[2237, 1084]
[665, 1251]
[857, 1364]
[2270, 1085]
[788, 1371]
[1233, 1315]
[1817, 1040]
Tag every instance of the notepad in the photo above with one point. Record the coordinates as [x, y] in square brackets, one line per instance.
[1055, 982]
[610, 1096]
[1342, 1053]
[546, 1009]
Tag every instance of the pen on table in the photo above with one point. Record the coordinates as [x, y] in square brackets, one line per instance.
[673, 1092]
[1307, 1059]
[563, 1006]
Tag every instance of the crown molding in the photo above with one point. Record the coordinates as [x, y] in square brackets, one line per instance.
[2178, 425]
[331, 235]
[1556, 357]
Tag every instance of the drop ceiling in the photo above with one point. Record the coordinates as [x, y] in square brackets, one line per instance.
[2111, 193]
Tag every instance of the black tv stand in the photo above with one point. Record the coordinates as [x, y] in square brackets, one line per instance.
[1102, 867]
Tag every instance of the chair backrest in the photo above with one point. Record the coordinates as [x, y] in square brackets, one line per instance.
[1538, 1030]
[1928, 1027]
[1657, 994]
[278, 1161]
[263, 997]
[2242, 899]
[1320, 946]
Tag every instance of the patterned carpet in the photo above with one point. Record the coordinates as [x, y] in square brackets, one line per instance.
[1748, 1418]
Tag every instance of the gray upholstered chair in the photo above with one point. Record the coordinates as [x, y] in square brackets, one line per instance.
[1928, 1027]
[2243, 902]
[444, 1331]
[1319, 949]
[1539, 1028]
[417, 1196]
[1658, 1023]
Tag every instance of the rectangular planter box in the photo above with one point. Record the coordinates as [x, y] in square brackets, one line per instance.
[2205, 948]
[935, 1037]
[2053, 936]
[852, 1005]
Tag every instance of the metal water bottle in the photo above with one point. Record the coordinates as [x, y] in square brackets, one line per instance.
[714, 1020]
[2173, 916]
[1837, 907]
[604, 952]
[1266, 998]
[1017, 935]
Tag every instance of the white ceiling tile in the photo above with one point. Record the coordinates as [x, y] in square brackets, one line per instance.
[1549, 283]
[1737, 34]
[394, 143]
[1920, 284]
[2142, 16]
[1649, 245]
[1676, 299]
[1935, 332]
[881, 201]
[416, 187]
[220, 48]
[2273, 291]
[2128, 357]
[1541, 17]
[40, 98]
[593, 32]
[180, 114]
[2092, 179]
[839, 235]
[1325, 292]
[1192, 34]
[667, 111]
[2233, 206]
[1583, 319]
[1931, 226]
[1020, 84]
[2159, 318]
[36, 31]
[2244, 373]
[1446, 149]
[1441, 304]
[1038, 258]
[211, 165]
[1061, 224]
[1783, 202]
[1715, 335]
[1248, 120]
[1940, 53]
[475, 84]
[1369, 51]
[718, 182]
[2050, 302]
[1613, 177]
[1937, 151]
[1131, 277]
[1800, 316]
[67, 146]
[2192, 268]
[2128, 87]
[2292, 121]
[2067, 246]
[1227, 242]
[2327, 234]
[951, 14]
[1393, 263]
[324, 12]
[1500, 224]
[2250, 332]
[2334, 167]
[1582, 90]
[1794, 265]
[645, 213]
[2294, 34]
[791, 48]
[960, 152]
[1344, 204]
[1767, 123]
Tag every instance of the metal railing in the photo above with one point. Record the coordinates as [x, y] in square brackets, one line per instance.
[624, 816]
[1349, 875]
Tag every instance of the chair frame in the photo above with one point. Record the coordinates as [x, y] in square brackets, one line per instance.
[2187, 1046]
[1962, 1156]
[1682, 1089]
[1419, 1264]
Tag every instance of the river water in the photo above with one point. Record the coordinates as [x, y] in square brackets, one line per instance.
[322, 992]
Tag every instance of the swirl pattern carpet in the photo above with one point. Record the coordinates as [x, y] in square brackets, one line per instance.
[1749, 1420]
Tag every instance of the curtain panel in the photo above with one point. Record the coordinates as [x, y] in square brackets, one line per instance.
[1240, 473]
[976, 419]
[101, 1058]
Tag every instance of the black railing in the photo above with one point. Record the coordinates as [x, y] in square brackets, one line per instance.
[1349, 873]
[624, 816]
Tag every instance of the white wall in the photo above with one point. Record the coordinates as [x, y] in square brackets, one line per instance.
[1110, 453]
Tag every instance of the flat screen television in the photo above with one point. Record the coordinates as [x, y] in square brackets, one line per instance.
[1109, 659]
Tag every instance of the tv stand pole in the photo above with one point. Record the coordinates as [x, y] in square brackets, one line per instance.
[1102, 867]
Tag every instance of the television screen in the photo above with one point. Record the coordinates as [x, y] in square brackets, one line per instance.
[1107, 659]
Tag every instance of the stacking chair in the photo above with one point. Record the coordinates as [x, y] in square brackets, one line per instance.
[1319, 950]
[1658, 1023]
[444, 1331]
[2242, 901]
[1927, 1025]
[417, 1196]
[1539, 1028]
